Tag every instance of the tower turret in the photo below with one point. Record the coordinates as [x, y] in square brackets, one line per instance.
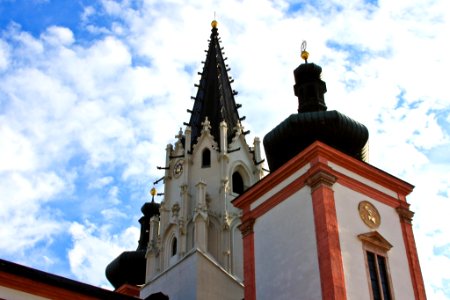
[313, 122]
[209, 165]
[129, 267]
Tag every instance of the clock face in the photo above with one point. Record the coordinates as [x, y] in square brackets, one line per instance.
[178, 168]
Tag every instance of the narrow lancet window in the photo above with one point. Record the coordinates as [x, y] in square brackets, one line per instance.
[174, 246]
[206, 158]
[238, 183]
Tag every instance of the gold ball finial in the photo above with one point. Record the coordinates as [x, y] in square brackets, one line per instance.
[304, 54]
[153, 192]
[214, 24]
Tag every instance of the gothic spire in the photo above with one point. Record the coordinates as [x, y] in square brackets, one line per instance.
[215, 97]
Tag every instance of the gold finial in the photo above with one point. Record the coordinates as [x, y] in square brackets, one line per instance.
[153, 192]
[214, 22]
[304, 53]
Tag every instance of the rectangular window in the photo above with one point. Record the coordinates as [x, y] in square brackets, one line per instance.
[379, 280]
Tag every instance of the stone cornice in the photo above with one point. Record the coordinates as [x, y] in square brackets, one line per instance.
[246, 227]
[405, 214]
[320, 178]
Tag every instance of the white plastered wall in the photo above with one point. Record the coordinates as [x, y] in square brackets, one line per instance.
[195, 277]
[350, 226]
[286, 262]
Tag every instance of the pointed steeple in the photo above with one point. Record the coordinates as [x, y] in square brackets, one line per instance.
[215, 97]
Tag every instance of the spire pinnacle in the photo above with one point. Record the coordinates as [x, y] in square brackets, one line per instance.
[214, 24]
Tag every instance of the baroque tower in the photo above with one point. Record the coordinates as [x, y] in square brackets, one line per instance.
[342, 228]
[195, 246]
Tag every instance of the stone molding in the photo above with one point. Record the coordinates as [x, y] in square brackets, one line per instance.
[246, 227]
[405, 214]
[320, 178]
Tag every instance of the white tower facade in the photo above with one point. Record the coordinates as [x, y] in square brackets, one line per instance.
[195, 249]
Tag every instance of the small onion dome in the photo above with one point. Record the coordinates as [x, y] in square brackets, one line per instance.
[128, 267]
[214, 24]
[150, 209]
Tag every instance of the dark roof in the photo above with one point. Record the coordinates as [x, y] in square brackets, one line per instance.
[215, 97]
[60, 282]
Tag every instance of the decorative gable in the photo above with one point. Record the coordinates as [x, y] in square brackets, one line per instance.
[376, 240]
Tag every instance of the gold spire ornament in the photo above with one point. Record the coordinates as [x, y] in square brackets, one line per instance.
[153, 192]
[304, 53]
[214, 24]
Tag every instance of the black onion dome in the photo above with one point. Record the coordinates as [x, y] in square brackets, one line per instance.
[313, 123]
[129, 267]
[150, 209]
[299, 131]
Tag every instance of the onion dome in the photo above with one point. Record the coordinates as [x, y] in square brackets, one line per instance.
[313, 122]
[129, 267]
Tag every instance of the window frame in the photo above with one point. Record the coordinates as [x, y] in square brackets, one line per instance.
[375, 243]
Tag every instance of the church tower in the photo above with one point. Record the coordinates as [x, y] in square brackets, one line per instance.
[195, 245]
[325, 224]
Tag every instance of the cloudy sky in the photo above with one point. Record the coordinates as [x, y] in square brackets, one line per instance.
[92, 91]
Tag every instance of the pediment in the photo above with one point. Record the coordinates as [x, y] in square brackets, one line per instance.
[375, 239]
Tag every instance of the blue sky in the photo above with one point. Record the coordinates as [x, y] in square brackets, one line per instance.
[92, 91]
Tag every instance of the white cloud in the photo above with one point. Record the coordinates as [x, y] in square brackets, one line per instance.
[17, 152]
[4, 55]
[25, 217]
[56, 35]
[87, 12]
[101, 182]
[94, 248]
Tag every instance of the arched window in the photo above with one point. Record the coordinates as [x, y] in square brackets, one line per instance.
[174, 246]
[206, 158]
[238, 183]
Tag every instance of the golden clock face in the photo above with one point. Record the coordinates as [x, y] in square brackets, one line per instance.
[178, 168]
[369, 214]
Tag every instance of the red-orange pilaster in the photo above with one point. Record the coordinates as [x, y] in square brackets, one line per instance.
[331, 268]
[249, 258]
[411, 252]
